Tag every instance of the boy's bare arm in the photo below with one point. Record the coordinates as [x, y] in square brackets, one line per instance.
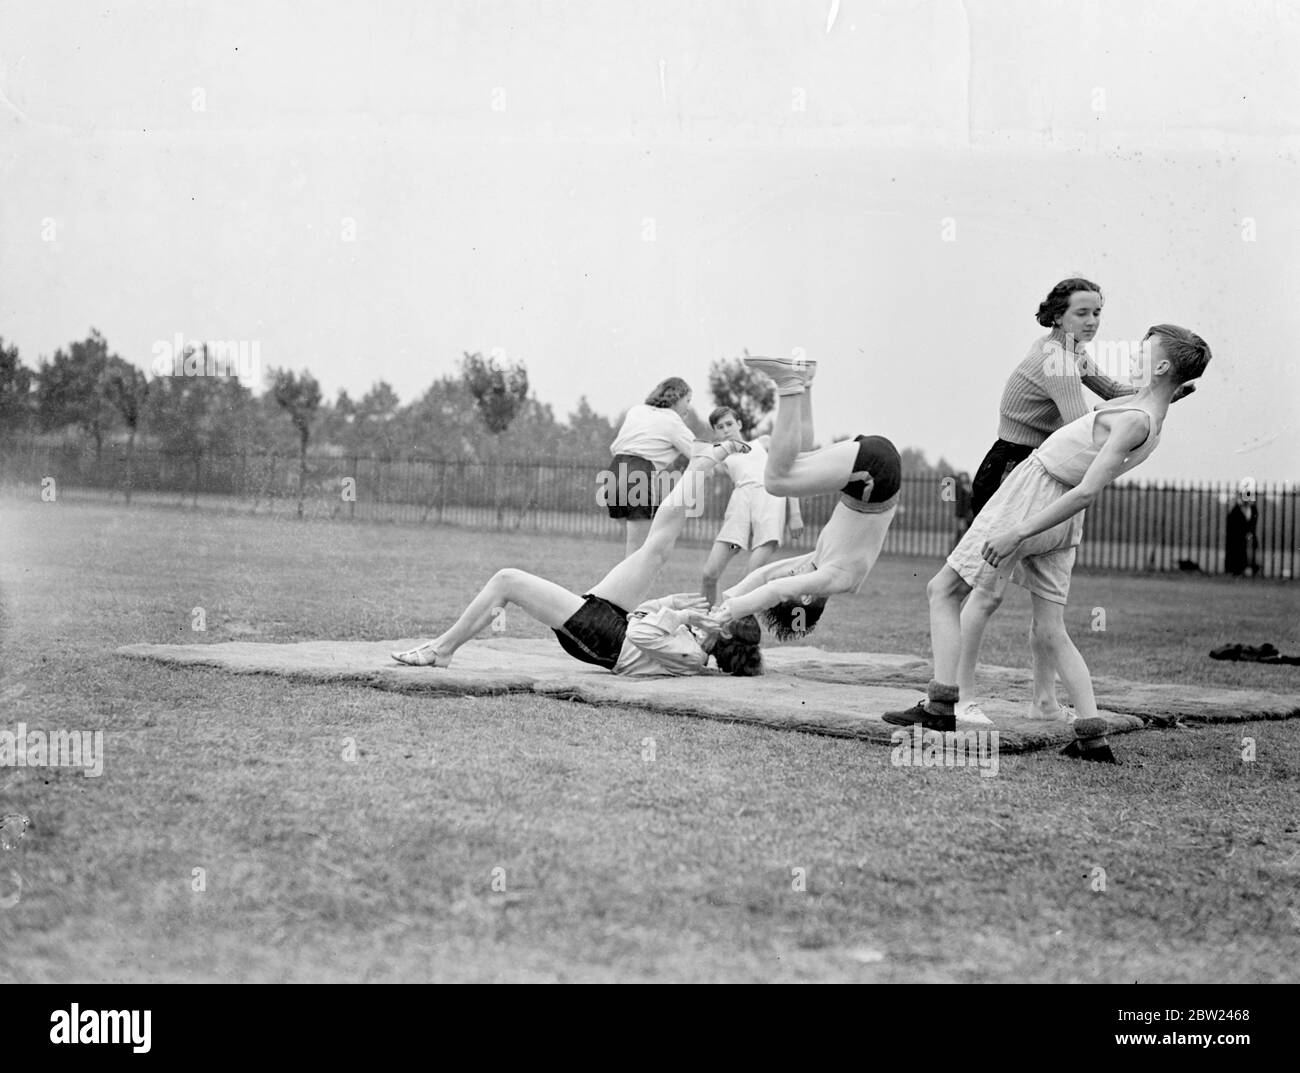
[763, 574]
[1128, 433]
[815, 583]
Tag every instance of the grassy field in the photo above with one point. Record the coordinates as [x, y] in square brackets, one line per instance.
[382, 868]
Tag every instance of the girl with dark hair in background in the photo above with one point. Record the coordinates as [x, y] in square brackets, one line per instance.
[653, 435]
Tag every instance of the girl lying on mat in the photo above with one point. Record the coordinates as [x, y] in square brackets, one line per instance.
[673, 635]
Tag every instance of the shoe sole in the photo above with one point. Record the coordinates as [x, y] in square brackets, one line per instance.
[785, 366]
[923, 724]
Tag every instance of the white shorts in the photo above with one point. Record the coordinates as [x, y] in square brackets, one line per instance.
[1043, 563]
[753, 517]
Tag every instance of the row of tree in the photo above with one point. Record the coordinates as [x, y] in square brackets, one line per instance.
[482, 412]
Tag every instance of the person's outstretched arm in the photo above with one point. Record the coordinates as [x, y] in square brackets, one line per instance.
[814, 583]
[1099, 383]
[756, 578]
[1128, 433]
[1060, 380]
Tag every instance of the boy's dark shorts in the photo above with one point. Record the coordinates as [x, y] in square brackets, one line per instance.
[595, 632]
[632, 497]
[877, 458]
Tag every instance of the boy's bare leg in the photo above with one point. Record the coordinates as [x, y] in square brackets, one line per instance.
[1045, 704]
[793, 469]
[719, 557]
[787, 435]
[946, 591]
[1090, 729]
[760, 556]
[975, 614]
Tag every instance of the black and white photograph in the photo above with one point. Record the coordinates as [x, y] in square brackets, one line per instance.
[559, 491]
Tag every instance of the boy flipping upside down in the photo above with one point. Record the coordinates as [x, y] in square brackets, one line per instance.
[790, 594]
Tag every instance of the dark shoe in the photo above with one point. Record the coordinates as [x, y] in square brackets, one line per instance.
[1090, 742]
[1099, 752]
[918, 714]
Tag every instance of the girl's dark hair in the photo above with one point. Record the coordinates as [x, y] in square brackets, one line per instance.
[718, 414]
[793, 618]
[1058, 301]
[739, 654]
[668, 393]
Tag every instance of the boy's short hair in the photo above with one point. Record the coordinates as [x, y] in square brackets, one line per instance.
[1187, 352]
[719, 413]
[793, 618]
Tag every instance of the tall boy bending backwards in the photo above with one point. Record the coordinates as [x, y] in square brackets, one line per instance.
[1032, 526]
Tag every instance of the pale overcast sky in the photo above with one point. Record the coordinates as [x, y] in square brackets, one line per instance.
[614, 192]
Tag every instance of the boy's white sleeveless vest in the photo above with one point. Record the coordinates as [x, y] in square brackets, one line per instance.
[1069, 451]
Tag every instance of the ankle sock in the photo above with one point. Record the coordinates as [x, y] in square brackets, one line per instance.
[940, 698]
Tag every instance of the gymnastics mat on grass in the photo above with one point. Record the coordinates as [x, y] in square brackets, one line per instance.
[480, 667]
[1163, 701]
[781, 699]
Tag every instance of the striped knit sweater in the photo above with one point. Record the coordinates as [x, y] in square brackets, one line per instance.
[1046, 391]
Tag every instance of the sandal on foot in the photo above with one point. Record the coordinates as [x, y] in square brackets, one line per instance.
[423, 656]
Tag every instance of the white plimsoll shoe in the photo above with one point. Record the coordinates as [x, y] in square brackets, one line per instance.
[971, 713]
[791, 375]
[1062, 713]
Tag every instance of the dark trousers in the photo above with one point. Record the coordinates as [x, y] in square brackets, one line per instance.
[1003, 457]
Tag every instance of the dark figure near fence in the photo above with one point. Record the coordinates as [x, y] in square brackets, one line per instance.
[963, 505]
[1241, 549]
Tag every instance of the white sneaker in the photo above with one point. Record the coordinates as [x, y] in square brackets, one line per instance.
[791, 376]
[1062, 712]
[971, 713]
